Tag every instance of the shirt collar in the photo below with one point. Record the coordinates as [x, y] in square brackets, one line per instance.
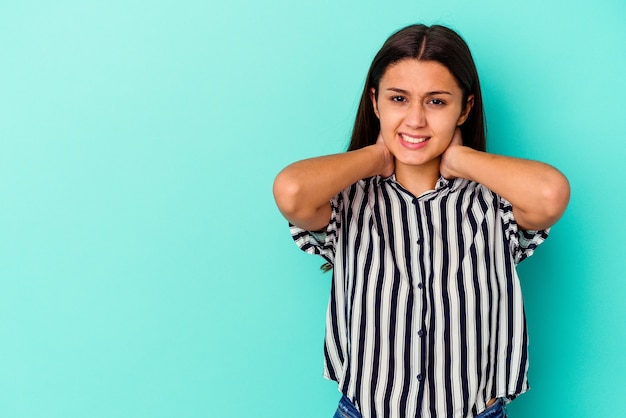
[442, 183]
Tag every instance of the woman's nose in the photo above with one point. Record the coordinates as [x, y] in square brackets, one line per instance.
[415, 116]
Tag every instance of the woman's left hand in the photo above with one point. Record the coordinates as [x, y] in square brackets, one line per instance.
[446, 164]
[538, 192]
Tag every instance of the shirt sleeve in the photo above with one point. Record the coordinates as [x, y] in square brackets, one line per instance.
[320, 242]
[521, 242]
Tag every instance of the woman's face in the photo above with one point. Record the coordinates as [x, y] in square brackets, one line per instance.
[419, 106]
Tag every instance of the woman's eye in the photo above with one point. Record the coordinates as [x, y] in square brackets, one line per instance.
[399, 99]
[437, 102]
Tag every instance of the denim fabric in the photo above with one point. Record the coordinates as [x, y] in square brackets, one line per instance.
[497, 410]
[347, 410]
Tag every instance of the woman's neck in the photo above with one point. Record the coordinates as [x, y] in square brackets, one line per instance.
[418, 179]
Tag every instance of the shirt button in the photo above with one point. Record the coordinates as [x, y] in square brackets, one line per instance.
[420, 332]
[419, 377]
[420, 285]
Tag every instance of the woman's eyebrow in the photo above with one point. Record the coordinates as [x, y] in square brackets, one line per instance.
[406, 92]
[397, 90]
[432, 93]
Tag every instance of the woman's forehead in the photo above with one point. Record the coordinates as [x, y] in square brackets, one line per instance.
[415, 75]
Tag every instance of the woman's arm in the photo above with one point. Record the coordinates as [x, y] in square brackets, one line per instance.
[538, 192]
[303, 189]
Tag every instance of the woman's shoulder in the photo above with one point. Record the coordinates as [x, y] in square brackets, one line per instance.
[362, 186]
[470, 185]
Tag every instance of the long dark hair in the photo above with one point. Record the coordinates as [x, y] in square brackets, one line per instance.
[421, 42]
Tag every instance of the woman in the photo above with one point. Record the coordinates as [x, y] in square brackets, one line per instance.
[423, 230]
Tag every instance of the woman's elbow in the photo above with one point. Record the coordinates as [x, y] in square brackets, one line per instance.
[294, 201]
[286, 191]
[547, 206]
[554, 201]
[557, 197]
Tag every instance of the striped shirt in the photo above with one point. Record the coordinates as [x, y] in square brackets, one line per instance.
[425, 317]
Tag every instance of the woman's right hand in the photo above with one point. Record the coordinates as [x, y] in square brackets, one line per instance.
[303, 190]
[388, 161]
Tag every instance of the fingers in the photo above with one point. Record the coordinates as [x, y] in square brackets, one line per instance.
[388, 162]
[457, 138]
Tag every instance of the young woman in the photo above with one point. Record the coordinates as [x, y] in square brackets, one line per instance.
[423, 230]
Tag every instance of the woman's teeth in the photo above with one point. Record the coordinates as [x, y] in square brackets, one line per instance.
[412, 140]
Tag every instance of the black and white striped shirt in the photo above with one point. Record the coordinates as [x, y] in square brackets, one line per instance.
[425, 317]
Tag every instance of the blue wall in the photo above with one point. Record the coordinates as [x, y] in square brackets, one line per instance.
[144, 269]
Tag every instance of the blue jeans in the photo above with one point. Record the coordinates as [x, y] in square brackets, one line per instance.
[497, 410]
[347, 410]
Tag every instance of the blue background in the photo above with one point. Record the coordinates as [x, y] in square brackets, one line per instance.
[144, 268]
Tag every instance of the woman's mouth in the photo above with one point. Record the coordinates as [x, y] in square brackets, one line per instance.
[413, 141]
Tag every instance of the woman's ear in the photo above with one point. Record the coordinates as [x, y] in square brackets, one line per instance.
[466, 110]
[374, 101]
